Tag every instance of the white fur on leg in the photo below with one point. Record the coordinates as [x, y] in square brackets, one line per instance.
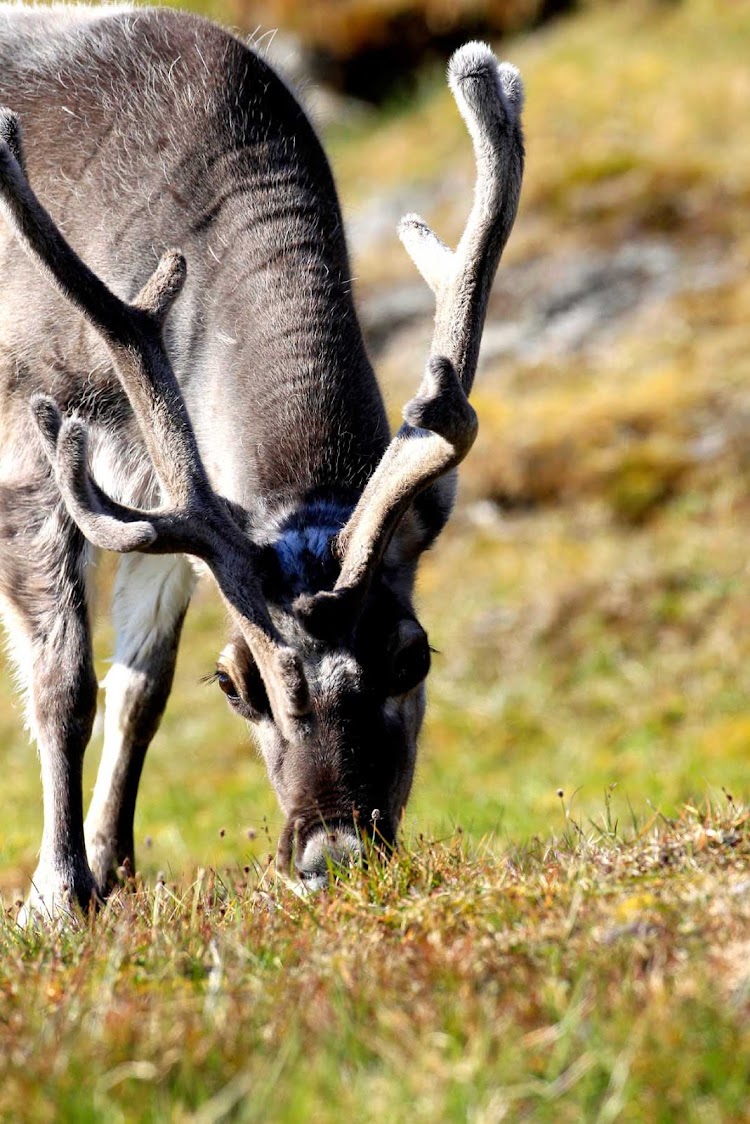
[151, 593]
[119, 682]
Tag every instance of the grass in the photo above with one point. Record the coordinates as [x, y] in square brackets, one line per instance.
[598, 975]
[558, 958]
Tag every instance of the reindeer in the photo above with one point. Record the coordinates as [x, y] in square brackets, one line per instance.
[239, 429]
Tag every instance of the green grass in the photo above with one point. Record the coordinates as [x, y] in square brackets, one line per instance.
[581, 957]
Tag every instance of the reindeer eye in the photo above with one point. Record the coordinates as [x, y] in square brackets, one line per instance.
[249, 699]
[227, 685]
[410, 664]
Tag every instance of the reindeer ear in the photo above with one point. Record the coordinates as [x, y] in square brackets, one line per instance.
[410, 657]
[329, 614]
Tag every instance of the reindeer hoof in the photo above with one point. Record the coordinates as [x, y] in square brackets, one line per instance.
[59, 898]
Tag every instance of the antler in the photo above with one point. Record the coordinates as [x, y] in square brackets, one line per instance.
[440, 424]
[197, 520]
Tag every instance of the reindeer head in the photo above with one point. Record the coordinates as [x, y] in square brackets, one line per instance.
[327, 665]
[347, 775]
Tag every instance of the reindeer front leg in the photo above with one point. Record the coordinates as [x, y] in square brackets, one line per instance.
[43, 598]
[151, 597]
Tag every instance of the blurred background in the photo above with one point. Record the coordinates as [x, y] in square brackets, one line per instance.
[590, 601]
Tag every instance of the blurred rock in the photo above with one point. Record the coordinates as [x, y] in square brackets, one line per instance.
[375, 221]
[559, 305]
[387, 310]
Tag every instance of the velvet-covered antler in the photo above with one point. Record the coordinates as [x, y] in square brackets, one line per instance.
[439, 423]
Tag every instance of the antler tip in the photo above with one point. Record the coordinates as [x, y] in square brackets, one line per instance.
[431, 256]
[511, 84]
[173, 261]
[47, 416]
[164, 285]
[410, 222]
[441, 406]
[10, 126]
[11, 132]
[72, 442]
[476, 61]
[171, 271]
[470, 60]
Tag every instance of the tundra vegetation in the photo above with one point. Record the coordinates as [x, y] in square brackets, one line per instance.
[527, 955]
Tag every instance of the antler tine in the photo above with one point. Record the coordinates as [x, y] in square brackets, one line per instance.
[489, 96]
[106, 524]
[10, 132]
[197, 522]
[440, 424]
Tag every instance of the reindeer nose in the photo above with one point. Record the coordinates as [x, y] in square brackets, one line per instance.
[326, 849]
